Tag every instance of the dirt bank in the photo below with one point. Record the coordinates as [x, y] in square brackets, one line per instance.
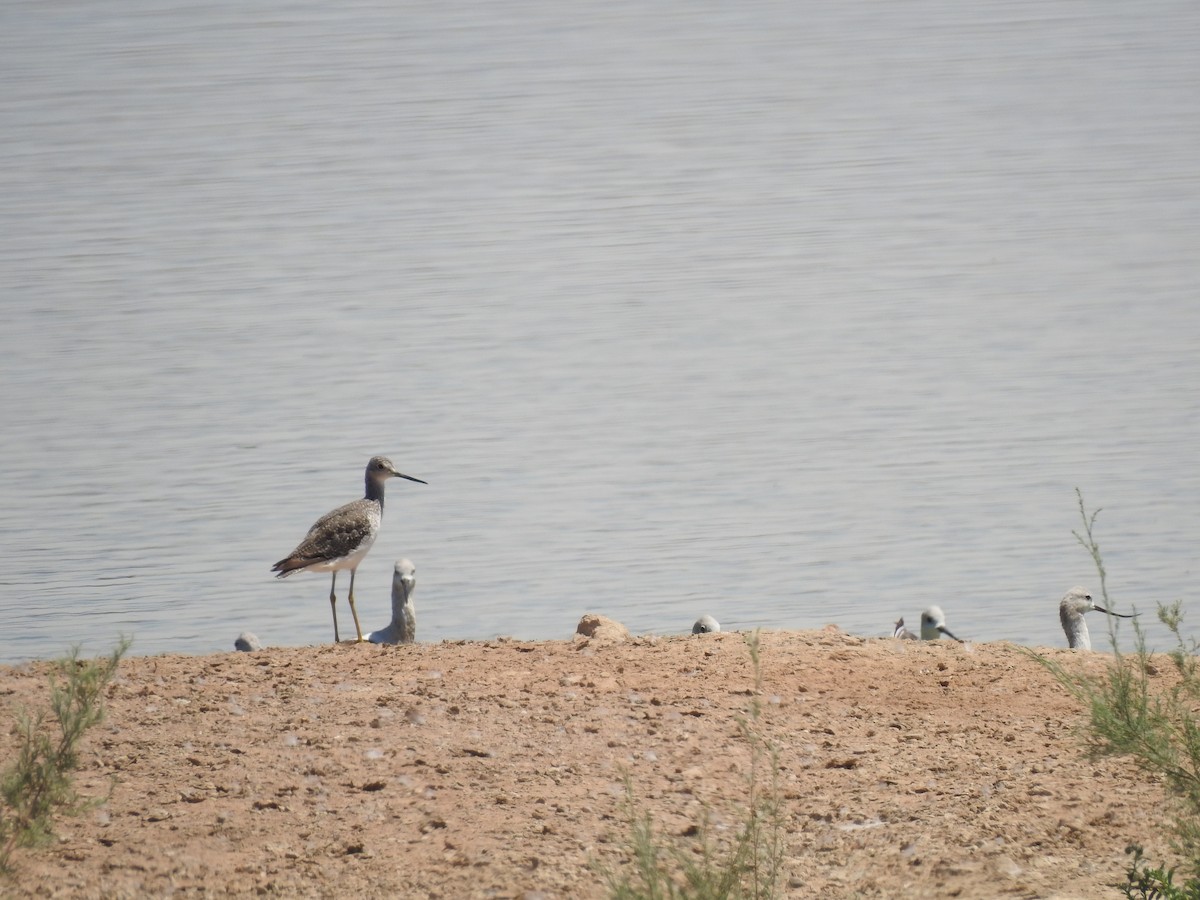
[495, 769]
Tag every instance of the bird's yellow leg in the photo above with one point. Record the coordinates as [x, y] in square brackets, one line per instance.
[354, 612]
[333, 603]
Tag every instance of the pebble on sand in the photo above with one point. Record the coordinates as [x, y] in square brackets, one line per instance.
[596, 629]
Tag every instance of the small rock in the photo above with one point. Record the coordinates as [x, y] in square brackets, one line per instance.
[601, 629]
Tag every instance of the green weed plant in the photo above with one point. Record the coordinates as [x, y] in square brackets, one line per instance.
[38, 783]
[749, 866]
[1133, 712]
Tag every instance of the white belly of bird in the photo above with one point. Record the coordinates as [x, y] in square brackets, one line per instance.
[342, 563]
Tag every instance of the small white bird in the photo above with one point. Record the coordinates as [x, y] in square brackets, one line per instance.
[247, 641]
[899, 631]
[403, 627]
[1075, 603]
[706, 625]
[933, 626]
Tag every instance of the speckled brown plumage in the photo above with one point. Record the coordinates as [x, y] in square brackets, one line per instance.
[334, 536]
[340, 539]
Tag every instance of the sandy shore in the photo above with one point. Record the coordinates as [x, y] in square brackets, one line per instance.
[495, 769]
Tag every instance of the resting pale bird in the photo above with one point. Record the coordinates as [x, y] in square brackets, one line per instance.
[706, 625]
[403, 627]
[933, 626]
[899, 631]
[1075, 603]
[247, 641]
[340, 539]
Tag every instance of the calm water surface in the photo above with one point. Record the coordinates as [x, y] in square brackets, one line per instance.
[787, 313]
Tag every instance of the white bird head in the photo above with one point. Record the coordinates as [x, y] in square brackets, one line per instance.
[1071, 609]
[405, 573]
[933, 625]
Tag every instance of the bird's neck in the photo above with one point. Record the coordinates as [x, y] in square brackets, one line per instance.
[1082, 638]
[1076, 629]
[403, 613]
[375, 491]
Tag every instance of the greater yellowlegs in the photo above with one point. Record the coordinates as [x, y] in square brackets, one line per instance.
[706, 625]
[403, 627]
[340, 539]
[1075, 603]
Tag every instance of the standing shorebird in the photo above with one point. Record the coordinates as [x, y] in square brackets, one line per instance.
[340, 539]
[933, 626]
[1075, 603]
[403, 627]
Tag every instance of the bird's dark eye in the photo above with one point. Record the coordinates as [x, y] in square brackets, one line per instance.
[1087, 597]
